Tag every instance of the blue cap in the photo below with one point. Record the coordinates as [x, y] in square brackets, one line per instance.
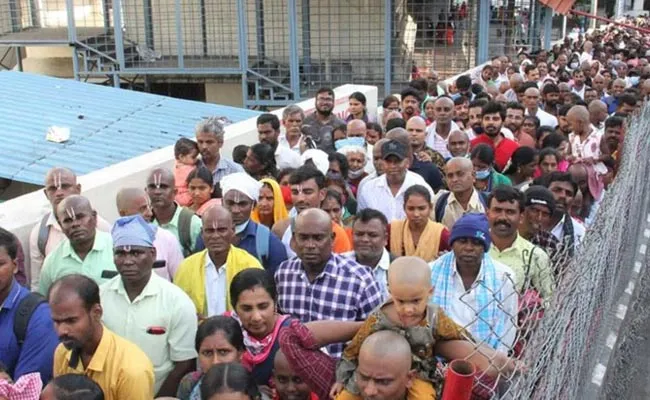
[472, 225]
[133, 231]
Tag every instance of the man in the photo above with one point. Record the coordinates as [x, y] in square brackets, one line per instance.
[209, 136]
[206, 275]
[311, 283]
[178, 220]
[516, 80]
[118, 366]
[591, 95]
[240, 194]
[462, 197]
[586, 55]
[532, 73]
[426, 162]
[370, 235]
[85, 250]
[384, 367]
[626, 104]
[292, 117]
[458, 144]
[356, 128]
[438, 131]
[268, 131]
[135, 201]
[598, 84]
[386, 193]
[28, 339]
[584, 139]
[531, 101]
[551, 98]
[563, 125]
[411, 99]
[473, 289]
[529, 263]
[461, 110]
[538, 209]
[514, 120]
[565, 93]
[475, 115]
[46, 235]
[564, 227]
[377, 162]
[492, 119]
[308, 191]
[598, 115]
[146, 309]
[579, 83]
[618, 86]
[320, 124]
[613, 136]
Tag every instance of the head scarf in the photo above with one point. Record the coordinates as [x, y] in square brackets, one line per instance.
[242, 182]
[319, 158]
[133, 231]
[279, 208]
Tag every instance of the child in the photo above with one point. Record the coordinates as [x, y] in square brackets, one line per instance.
[239, 153]
[186, 152]
[288, 385]
[407, 312]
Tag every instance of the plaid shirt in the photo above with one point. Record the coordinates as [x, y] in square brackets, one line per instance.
[28, 387]
[344, 291]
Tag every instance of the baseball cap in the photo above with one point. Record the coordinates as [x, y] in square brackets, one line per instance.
[393, 148]
[541, 196]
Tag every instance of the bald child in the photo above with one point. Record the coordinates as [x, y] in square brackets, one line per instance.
[288, 385]
[409, 312]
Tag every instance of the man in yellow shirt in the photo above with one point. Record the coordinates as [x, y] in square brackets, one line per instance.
[206, 276]
[118, 366]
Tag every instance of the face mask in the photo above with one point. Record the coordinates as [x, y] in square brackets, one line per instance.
[574, 65]
[240, 228]
[351, 141]
[634, 80]
[355, 174]
[483, 174]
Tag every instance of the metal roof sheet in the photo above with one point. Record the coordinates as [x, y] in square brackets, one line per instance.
[107, 125]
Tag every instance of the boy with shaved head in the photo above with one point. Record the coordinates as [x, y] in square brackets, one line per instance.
[410, 313]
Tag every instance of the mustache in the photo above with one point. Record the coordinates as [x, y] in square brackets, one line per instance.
[504, 223]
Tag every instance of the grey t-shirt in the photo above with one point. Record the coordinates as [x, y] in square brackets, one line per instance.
[321, 132]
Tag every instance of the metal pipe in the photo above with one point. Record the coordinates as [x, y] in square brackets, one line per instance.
[19, 59]
[483, 31]
[259, 23]
[459, 380]
[180, 49]
[306, 40]
[609, 21]
[117, 32]
[294, 69]
[388, 46]
[243, 49]
[148, 23]
[548, 27]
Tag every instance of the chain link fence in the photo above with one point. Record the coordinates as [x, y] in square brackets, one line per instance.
[557, 346]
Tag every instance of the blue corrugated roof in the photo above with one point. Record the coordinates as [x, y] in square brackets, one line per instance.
[107, 125]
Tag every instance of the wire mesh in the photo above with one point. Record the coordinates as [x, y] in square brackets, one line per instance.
[558, 339]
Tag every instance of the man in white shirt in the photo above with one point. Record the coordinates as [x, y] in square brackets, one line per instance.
[531, 102]
[386, 192]
[370, 239]
[46, 235]
[579, 83]
[268, 131]
[474, 290]
[439, 130]
[292, 118]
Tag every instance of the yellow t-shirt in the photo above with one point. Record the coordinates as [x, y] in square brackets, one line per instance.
[118, 366]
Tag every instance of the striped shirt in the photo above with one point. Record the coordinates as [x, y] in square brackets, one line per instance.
[344, 291]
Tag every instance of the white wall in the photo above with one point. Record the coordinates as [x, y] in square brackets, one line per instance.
[20, 214]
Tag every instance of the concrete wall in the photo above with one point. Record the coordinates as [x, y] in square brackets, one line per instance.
[20, 214]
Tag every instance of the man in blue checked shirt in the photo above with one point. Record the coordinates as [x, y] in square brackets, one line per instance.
[320, 285]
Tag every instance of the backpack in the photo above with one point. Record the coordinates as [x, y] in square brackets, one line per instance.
[441, 204]
[184, 230]
[43, 234]
[25, 309]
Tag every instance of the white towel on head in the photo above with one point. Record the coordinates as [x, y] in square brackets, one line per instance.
[319, 158]
[242, 182]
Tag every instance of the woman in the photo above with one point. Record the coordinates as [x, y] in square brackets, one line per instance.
[219, 340]
[521, 167]
[549, 159]
[530, 125]
[487, 177]
[349, 202]
[374, 132]
[391, 103]
[541, 134]
[429, 111]
[418, 235]
[333, 205]
[254, 301]
[260, 161]
[560, 143]
[270, 207]
[357, 107]
[200, 188]
[229, 381]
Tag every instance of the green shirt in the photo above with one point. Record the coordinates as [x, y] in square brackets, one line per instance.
[517, 256]
[499, 179]
[172, 226]
[65, 261]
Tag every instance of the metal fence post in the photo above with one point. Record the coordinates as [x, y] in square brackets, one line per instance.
[117, 33]
[294, 71]
[388, 45]
[548, 27]
[179, 34]
[483, 31]
[306, 40]
[243, 48]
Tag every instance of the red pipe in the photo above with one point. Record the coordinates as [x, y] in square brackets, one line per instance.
[459, 380]
[609, 21]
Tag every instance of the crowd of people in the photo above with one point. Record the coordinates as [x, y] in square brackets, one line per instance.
[334, 258]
